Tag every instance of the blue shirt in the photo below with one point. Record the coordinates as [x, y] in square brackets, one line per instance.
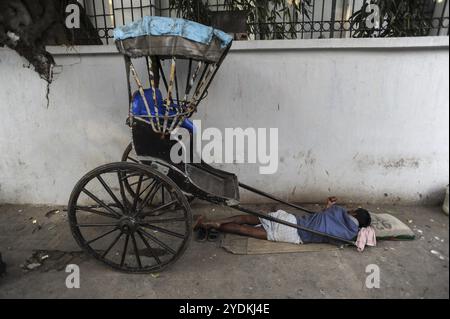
[333, 221]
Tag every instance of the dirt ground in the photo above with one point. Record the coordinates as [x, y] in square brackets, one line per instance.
[408, 269]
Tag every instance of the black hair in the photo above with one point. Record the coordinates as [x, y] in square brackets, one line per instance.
[363, 217]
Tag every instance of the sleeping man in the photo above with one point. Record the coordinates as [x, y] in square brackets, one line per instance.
[334, 220]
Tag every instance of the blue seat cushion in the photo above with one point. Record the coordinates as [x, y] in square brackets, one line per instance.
[138, 106]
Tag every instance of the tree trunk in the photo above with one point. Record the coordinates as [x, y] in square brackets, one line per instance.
[27, 26]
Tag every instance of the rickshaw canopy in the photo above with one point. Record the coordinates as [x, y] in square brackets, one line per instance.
[167, 37]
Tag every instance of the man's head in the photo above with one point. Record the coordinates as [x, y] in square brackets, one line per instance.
[363, 217]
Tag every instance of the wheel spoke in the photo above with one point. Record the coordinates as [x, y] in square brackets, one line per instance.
[164, 206]
[145, 179]
[97, 225]
[110, 192]
[165, 220]
[150, 249]
[93, 211]
[156, 240]
[136, 252]
[101, 236]
[125, 246]
[163, 230]
[132, 159]
[98, 206]
[162, 195]
[112, 245]
[152, 185]
[145, 189]
[148, 197]
[136, 196]
[122, 190]
[84, 190]
[128, 176]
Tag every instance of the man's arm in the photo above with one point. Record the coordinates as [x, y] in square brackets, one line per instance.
[330, 202]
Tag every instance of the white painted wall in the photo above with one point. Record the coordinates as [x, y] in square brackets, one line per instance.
[364, 119]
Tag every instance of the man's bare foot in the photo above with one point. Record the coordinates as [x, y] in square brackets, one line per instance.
[198, 219]
[208, 224]
[201, 222]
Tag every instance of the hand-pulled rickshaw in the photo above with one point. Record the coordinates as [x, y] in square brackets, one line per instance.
[135, 215]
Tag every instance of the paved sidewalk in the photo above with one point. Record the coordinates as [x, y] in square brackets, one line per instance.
[408, 268]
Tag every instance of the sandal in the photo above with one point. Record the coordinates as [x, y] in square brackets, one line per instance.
[201, 235]
[213, 235]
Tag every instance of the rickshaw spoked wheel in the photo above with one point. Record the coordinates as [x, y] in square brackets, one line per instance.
[127, 232]
[130, 156]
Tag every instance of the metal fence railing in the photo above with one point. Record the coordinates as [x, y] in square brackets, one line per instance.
[283, 19]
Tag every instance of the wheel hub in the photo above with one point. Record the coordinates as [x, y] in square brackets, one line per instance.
[128, 225]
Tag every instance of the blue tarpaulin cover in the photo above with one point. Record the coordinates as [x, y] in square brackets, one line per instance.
[139, 109]
[163, 26]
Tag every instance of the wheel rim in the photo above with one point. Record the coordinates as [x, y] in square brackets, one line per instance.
[128, 232]
[129, 155]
